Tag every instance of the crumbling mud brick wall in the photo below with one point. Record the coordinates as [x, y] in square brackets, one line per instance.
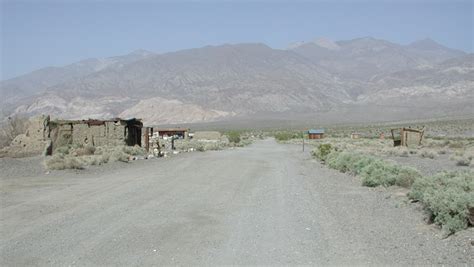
[34, 141]
[45, 136]
[113, 132]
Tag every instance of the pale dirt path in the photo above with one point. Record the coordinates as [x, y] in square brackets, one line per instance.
[263, 204]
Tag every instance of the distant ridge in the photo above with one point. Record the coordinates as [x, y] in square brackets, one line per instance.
[235, 81]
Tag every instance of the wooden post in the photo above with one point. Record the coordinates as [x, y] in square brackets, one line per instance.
[303, 142]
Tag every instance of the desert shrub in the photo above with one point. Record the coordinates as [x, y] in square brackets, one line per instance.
[200, 148]
[245, 142]
[322, 151]
[379, 172]
[63, 150]
[442, 151]
[234, 137]
[398, 151]
[373, 171]
[134, 150]
[83, 151]
[344, 161]
[118, 155]
[456, 144]
[447, 196]
[406, 176]
[61, 162]
[286, 135]
[75, 157]
[463, 161]
[363, 162]
[93, 159]
[428, 154]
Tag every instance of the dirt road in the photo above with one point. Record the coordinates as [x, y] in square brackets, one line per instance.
[263, 204]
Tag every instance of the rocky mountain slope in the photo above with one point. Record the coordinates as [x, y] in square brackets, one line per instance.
[246, 80]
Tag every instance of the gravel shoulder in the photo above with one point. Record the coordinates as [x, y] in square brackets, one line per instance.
[262, 204]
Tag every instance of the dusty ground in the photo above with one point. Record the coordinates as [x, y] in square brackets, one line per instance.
[429, 166]
[262, 204]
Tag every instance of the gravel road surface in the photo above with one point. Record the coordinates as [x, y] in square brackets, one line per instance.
[263, 204]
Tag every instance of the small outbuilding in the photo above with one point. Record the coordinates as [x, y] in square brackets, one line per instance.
[315, 133]
[168, 132]
[355, 135]
[407, 136]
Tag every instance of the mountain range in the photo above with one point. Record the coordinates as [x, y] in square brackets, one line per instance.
[360, 79]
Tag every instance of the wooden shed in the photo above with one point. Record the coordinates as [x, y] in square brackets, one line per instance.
[315, 133]
[407, 136]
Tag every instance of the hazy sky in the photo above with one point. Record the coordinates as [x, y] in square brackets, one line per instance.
[36, 34]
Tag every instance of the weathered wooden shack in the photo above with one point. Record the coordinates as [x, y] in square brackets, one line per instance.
[407, 136]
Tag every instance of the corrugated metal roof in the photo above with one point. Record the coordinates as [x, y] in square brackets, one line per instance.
[316, 131]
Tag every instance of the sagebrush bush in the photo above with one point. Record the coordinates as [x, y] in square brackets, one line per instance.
[373, 171]
[322, 151]
[447, 196]
[406, 176]
[379, 172]
[234, 137]
[287, 135]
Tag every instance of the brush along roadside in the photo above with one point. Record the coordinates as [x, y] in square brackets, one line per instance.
[78, 157]
[448, 197]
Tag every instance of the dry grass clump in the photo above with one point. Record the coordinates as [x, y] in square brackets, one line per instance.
[187, 145]
[397, 151]
[425, 153]
[463, 161]
[463, 157]
[78, 157]
[83, 151]
[447, 196]
[62, 161]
